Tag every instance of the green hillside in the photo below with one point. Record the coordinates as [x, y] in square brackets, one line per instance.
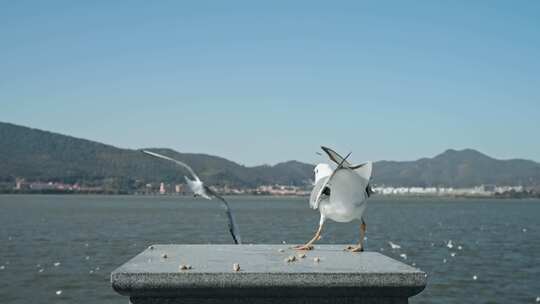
[38, 155]
[453, 168]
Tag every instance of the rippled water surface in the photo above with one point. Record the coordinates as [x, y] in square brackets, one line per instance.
[72, 243]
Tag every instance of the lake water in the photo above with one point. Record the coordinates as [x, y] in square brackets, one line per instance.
[87, 237]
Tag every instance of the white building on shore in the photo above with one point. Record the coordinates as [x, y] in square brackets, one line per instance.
[482, 190]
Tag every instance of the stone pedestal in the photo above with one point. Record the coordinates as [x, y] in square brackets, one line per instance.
[267, 275]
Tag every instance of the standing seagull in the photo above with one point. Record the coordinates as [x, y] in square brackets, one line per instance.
[200, 189]
[340, 195]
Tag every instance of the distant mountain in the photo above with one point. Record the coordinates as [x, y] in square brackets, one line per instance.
[454, 168]
[40, 155]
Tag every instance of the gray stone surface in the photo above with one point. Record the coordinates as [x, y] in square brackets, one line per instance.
[339, 277]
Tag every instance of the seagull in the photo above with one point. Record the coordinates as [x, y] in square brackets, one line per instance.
[394, 245]
[200, 189]
[340, 195]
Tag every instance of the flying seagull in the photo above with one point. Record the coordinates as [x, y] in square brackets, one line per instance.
[200, 189]
[340, 194]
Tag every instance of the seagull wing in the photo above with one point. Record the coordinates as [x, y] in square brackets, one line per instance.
[233, 227]
[154, 154]
[338, 159]
[317, 191]
[348, 188]
[364, 170]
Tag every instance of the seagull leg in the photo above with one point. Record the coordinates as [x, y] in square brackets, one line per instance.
[308, 245]
[360, 246]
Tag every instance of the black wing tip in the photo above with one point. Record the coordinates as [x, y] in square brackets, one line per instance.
[328, 151]
[358, 166]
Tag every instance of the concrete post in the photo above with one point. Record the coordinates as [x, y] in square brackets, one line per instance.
[267, 274]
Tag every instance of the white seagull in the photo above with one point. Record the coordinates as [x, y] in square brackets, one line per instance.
[200, 189]
[340, 195]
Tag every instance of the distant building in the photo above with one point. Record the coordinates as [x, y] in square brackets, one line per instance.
[477, 191]
[162, 188]
[20, 184]
[42, 186]
[179, 188]
[280, 190]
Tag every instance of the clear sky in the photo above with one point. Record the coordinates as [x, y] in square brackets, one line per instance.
[268, 81]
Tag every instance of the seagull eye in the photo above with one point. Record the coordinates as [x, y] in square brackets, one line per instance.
[326, 191]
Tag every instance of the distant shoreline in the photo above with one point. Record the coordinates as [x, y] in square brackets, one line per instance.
[376, 197]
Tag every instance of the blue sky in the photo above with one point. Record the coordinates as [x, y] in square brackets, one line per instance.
[263, 82]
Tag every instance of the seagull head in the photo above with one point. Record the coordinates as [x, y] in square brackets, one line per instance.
[322, 170]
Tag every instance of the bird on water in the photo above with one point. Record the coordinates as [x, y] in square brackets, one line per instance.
[340, 195]
[200, 189]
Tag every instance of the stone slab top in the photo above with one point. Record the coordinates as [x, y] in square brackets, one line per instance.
[265, 270]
